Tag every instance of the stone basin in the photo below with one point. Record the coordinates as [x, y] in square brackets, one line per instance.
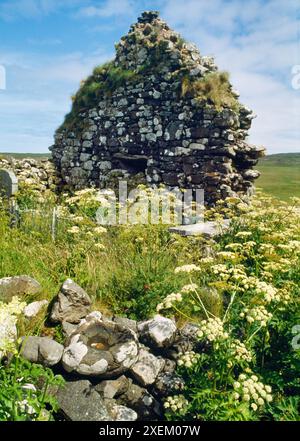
[100, 348]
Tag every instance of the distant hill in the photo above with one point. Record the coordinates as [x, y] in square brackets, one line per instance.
[282, 159]
[280, 175]
[25, 155]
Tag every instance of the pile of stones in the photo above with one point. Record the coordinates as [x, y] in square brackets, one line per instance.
[147, 127]
[116, 369]
[40, 174]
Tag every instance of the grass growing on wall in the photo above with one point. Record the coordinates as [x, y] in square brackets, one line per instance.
[104, 80]
[214, 88]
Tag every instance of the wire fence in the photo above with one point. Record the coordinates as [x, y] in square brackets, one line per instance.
[46, 222]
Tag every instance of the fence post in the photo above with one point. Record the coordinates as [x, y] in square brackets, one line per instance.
[54, 221]
[14, 213]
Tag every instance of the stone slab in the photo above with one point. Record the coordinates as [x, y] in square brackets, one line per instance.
[8, 183]
[209, 228]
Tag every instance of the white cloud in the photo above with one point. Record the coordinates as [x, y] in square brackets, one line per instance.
[28, 9]
[109, 9]
[256, 41]
[38, 95]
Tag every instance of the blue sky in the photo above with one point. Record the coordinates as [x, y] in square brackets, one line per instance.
[48, 46]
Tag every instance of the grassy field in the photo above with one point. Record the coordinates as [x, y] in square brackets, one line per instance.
[280, 175]
[25, 155]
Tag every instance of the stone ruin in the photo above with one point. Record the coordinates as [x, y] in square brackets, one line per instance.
[115, 368]
[159, 113]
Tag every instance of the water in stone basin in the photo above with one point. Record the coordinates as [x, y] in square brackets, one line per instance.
[102, 339]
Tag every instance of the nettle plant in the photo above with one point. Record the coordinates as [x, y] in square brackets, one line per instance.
[244, 300]
[24, 387]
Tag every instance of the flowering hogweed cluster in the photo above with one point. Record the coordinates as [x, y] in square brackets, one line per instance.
[9, 314]
[177, 404]
[212, 329]
[188, 359]
[173, 298]
[240, 352]
[187, 269]
[169, 301]
[257, 314]
[268, 291]
[252, 391]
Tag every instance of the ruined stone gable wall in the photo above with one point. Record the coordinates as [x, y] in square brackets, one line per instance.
[149, 126]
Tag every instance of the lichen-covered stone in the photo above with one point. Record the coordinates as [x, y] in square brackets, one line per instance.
[158, 332]
[147, 368]
[100, 348]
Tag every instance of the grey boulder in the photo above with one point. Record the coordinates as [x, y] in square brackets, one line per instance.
[41, 350]
[79, 402]
[71, 304]
[158, 332]
[19, 286]
[100, 348]
[147, 368]
[33, 309]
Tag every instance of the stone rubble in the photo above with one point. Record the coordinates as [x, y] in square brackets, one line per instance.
[40, 174]
[116, 369]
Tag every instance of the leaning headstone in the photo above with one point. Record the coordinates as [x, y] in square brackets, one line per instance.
[8, 183]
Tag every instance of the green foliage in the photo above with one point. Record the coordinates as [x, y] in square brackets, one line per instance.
[25, 391]
[244, 296]
[214, 88]
[103, 82]
[246, 366]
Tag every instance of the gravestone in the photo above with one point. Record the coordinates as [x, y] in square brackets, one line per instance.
[8, 183]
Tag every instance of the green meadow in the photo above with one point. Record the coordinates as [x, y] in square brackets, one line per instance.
[280, 175]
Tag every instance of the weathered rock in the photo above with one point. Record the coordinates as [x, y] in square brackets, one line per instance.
[100, 349]
[208, 229]
[8, 183]
[158, 332]
[167, 384]
[128, 323]
[19, 286]
[79, 402]
[113, 388]
[71, 304]
[42, 350]
[140, 400]
[118, 412]
[123, 413]
[32, 309]
[147, 368]
[68, 328]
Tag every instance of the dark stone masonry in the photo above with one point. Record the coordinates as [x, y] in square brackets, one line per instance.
[159, 112]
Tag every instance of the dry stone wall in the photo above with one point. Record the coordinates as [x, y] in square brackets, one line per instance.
[140, 116]
[40, 174]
